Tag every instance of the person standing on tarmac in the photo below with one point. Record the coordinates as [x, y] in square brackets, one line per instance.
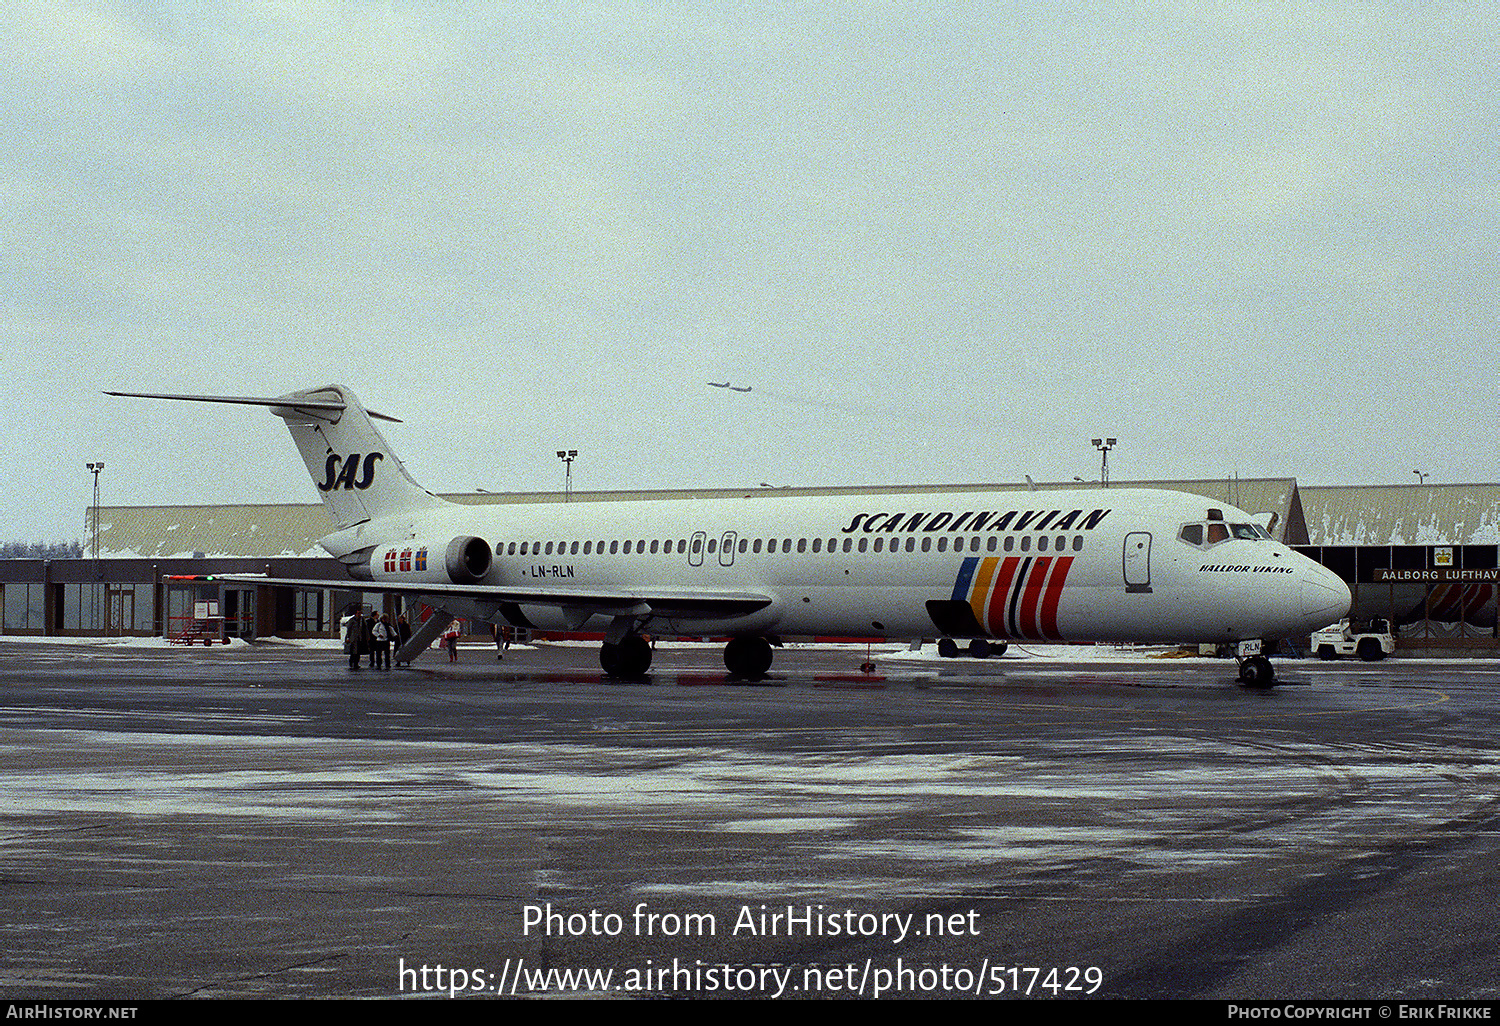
[354, 634]
[369, 631]
[384, 633]
[403, 632]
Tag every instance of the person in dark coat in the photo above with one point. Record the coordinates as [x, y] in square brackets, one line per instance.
[403, 633]
[369, 636]
[354, 634]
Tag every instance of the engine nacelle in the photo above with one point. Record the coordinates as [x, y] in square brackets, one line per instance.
[461, 561]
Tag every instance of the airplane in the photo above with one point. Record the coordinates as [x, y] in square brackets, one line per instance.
[991, 567]
[732, 388]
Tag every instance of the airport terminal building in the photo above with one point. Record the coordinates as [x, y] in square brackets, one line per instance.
[1423, 556]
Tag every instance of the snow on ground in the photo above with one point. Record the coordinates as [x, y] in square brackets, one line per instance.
[885, 650]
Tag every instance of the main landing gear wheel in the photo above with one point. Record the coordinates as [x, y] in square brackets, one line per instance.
[630, 658]
[749, 658]
[1256, 672]
[977, 648]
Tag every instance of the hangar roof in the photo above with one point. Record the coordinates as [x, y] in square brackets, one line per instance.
[1448, 514]
[284, 530]
[177, 532]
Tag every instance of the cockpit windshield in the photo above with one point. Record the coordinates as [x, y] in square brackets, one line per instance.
[1212, 532]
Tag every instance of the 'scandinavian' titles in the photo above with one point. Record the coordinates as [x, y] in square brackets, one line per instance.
[974, 520]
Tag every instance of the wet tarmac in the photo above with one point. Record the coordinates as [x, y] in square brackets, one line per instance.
[264, 822]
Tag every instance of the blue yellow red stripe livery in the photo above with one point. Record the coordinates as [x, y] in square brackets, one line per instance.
[1014, 596]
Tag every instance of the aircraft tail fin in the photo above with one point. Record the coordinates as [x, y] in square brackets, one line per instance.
[357, 475]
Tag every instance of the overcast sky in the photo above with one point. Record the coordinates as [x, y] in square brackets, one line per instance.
[941, 242]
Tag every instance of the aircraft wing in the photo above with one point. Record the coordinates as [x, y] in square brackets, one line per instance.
[607, 601]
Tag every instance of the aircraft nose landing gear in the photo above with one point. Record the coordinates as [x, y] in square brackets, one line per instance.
[1255, 669]
[1256, 672]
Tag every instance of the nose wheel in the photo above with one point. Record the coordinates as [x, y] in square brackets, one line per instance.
[1256, 672]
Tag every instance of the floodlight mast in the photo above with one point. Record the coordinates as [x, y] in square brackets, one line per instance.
[1104, 445]
[567, 456]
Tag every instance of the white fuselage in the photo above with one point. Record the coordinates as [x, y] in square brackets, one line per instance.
[1086, 565]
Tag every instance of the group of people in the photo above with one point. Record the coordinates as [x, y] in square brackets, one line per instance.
[502, 635]
[374, 636]
[377, 635]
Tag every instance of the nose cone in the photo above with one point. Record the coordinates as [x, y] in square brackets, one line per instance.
[1325, 598]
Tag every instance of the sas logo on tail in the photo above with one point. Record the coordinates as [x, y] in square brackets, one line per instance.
[347, 472]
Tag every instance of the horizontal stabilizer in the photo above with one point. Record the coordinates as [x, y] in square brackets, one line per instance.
[287, 402]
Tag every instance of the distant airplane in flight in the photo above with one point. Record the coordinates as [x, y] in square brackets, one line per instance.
[732, 388]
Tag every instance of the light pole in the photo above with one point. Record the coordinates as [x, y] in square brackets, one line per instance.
[1422, 476]
[1104, 445]
[95, 468]
[567, 456]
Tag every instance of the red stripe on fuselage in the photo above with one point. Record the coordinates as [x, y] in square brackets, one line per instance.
[1000, 598]
[1055, 585]
[1034, 581]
